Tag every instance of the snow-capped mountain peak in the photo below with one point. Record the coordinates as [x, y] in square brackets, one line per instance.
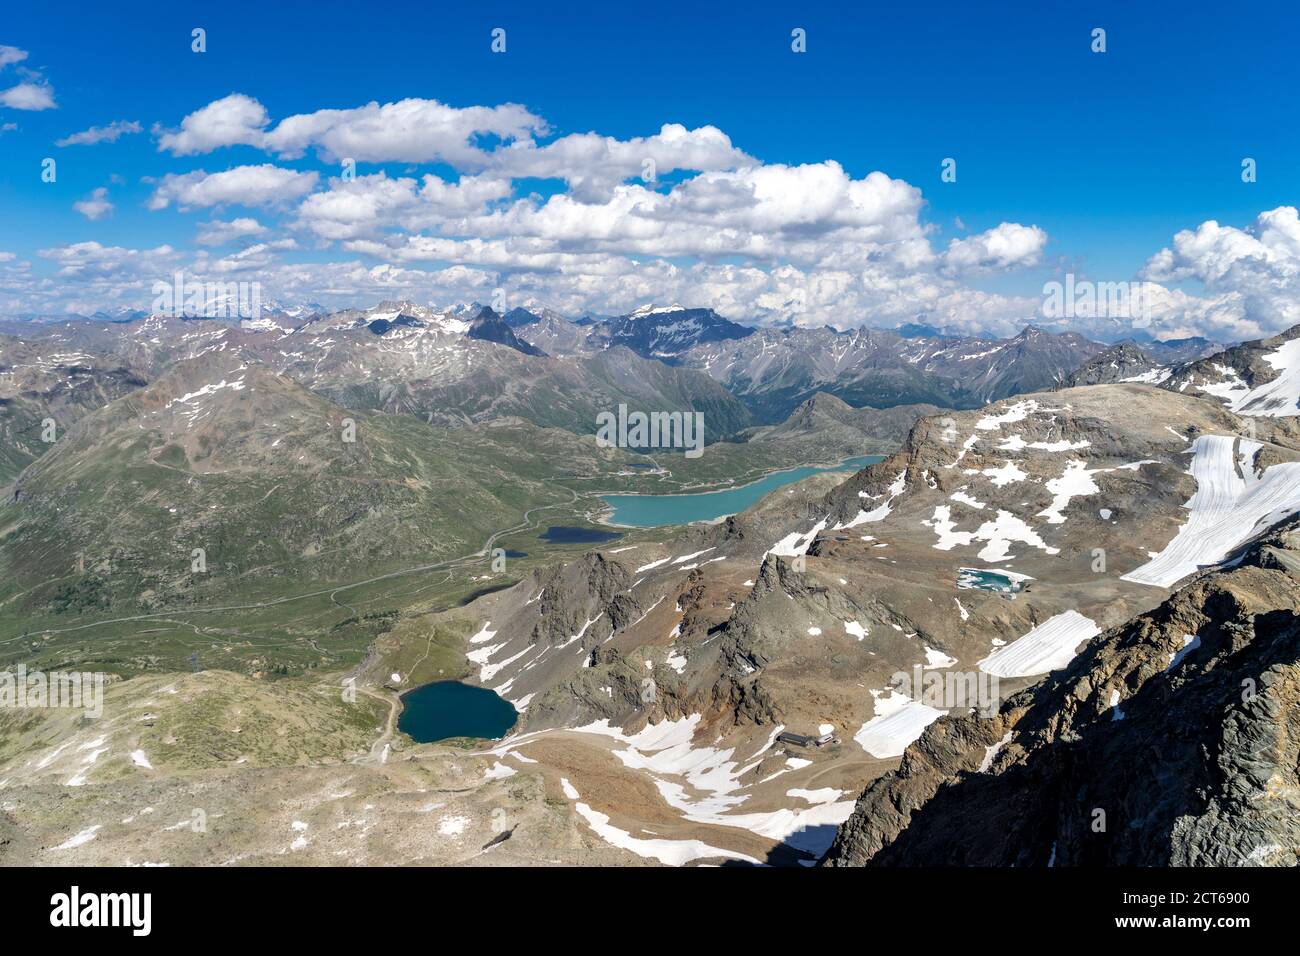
[651, 309]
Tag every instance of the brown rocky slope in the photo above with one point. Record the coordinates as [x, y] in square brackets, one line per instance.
[1170, 740]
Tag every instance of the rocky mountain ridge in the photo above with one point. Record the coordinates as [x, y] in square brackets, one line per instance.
[1169, 741]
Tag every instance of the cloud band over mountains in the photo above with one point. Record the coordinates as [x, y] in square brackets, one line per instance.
[338, 209]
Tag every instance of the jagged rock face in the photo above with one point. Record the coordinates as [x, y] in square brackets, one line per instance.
[570, 591]
[1119, 363]
[490, 327]
[1171, 740]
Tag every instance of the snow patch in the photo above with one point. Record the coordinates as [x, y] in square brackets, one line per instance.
[1226, 509]
[1048, 647]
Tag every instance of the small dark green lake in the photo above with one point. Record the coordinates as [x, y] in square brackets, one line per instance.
[651, 511]
[449, 708]
[571, 534]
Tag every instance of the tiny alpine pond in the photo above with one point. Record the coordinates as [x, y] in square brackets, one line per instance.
[448, 708]
[990, 579]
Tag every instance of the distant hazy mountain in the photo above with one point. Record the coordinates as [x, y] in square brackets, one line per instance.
[518, 316]
[469, 364]
[556, 335]
[453, 369]
[666, 332]
[45, 382]
[446, 367]
[1176, 350]
[773, 370]
[918, 330]
[1123, 362]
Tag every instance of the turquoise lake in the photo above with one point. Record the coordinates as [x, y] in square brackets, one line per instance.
[651, 511]
[449, 708]
[987, 579]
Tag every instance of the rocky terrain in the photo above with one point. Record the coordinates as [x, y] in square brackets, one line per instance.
[1123, 362]
[1169, 741]
[1259, 378]
[685, 661]
[997, 551]
[219, 769]
[774, 370]
[408, 359]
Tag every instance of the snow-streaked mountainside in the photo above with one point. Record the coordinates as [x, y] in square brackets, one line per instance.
[772, 370]
[467, 363]
[800, 613]
[444, 366]
[1122, 362]
[654, 676]
[1168, 741]
[1260, 378]
[46, 380]
[667, 332]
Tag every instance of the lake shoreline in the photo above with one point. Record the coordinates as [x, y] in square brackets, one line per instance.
[797, 473]
[722, 489]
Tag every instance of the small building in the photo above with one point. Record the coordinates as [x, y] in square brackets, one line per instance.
[806, 740]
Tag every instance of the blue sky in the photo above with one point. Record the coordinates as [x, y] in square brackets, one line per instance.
[1110, 155]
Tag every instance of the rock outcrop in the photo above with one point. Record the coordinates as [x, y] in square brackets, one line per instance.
[1170, 740]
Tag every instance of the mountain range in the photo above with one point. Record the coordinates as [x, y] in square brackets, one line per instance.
[1104, 536]
[773, 370]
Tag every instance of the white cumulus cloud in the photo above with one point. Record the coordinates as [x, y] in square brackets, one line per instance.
[32, 96]
[409, 130]
[1251, 275]
[95, 206]
[220, 233]
[1008, 245]
[243, 185]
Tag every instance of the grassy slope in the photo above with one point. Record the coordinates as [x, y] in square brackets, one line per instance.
[288, 515]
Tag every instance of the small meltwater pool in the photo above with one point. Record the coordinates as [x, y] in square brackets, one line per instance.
[990, 579]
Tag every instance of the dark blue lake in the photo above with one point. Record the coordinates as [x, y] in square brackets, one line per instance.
[568, 534]
[449, 708]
